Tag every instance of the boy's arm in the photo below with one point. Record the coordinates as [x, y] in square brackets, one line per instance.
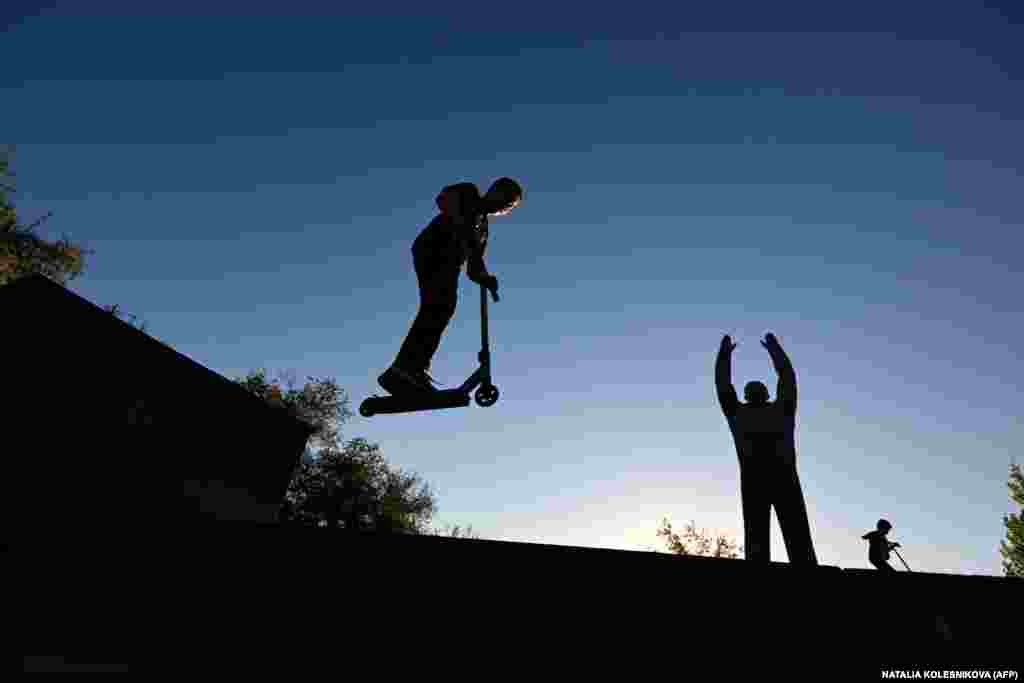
[475, 243]
[460, 204]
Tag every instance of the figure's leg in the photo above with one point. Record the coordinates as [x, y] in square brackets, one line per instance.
[791, 510]
[439, 287]
[440, 295]
[756, 515]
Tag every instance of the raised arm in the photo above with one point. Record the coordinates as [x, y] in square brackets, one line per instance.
[786, 392]
[727, 398]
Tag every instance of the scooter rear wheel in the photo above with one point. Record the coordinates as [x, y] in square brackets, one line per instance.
[487, 395]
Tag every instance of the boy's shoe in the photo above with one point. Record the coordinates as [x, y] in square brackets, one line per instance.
[428, 380]
[397, 381]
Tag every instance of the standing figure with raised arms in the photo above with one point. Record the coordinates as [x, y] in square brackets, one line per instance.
[764, 434]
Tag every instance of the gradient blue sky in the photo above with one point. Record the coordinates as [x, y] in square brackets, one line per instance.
[849, 179]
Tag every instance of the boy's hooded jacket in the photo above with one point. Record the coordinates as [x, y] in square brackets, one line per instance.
[450, 236]
[878, 550]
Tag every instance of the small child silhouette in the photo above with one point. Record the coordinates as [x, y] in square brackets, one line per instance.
[456, 236]
[879, 547]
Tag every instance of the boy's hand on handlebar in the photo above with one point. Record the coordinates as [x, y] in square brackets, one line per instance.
[486, 280]
[491, 283]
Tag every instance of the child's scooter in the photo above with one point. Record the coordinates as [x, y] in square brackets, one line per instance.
[901, 558]
[486, 394]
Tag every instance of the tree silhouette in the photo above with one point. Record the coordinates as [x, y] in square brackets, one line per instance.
[345, 485]
[23, 252]
[1012, 549]
[456, 531]
[693, 541]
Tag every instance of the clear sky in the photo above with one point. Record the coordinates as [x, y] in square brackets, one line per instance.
[850, 180]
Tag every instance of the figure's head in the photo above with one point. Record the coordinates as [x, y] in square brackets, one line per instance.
[755, 393]
[883, 526]
[504, 195]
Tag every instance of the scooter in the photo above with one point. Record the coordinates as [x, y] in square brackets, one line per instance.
[486, 393]
[901, 558]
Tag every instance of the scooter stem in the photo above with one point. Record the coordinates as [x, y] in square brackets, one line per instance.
[484, 336]
[901, 558]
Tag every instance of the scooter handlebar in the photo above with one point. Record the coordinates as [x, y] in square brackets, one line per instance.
[491, 287]
[489, 283]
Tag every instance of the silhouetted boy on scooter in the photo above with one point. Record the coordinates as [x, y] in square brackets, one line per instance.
[456, 236]
[879, 547]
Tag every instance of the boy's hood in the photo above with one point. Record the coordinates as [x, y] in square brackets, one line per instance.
[459, 194]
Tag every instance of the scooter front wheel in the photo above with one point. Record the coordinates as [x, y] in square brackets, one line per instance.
[366, 408]
[487, 395]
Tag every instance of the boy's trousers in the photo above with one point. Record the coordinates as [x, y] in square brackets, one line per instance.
[438, 279]
[766, 483]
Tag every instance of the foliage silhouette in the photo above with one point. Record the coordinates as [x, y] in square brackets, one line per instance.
[343, 485]
[23, 252]
[1012, 549]
[456, 531]
[693, 541]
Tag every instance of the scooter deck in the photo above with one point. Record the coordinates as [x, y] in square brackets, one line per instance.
[446, 398]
